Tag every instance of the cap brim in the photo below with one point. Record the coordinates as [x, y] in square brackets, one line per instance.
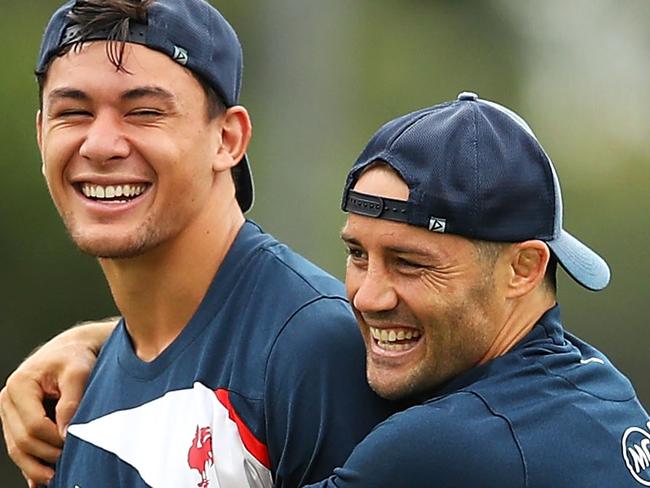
[245, 191]
[580, 262]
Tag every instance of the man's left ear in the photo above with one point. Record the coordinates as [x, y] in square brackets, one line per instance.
[236, 131]
[528, 261]
[39, 138]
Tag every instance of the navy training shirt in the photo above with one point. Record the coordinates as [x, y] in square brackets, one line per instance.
[264, 387]
[551, 413]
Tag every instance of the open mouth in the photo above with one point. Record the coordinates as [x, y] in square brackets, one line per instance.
[113, 193]
[395, 339]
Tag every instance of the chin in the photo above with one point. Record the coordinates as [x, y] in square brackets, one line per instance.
[115, 243]
[107, 248]
[404, 387]
[391, 389]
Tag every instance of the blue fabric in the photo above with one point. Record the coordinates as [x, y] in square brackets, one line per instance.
[273, 331]
[475, 169]
[553, 412]
[209, 43]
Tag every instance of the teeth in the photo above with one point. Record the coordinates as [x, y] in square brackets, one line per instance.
[388, 337]
[389, 346]
[112, 191]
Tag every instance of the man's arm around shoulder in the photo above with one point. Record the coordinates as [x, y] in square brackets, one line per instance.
[54, 375]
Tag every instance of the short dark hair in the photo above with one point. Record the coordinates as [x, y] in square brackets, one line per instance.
[489, 251]
[114, 18]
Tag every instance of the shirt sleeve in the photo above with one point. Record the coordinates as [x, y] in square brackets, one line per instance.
[426, 446]
[318, 403]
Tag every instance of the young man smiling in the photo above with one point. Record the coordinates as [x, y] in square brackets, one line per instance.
[236, 360]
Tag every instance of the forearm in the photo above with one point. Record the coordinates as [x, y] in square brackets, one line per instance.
[92, 334]
[54, 375]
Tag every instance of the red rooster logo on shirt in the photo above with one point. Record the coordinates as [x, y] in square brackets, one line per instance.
[200, 455]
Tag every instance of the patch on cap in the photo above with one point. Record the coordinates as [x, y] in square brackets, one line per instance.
[437, 225]
[180, 55]
[474, 168]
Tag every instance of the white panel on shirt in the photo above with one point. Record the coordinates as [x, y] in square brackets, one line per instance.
[162, 440]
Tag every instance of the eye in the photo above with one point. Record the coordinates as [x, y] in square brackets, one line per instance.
[146, 112]
[409, 265]
[355, 254]
[73, 113]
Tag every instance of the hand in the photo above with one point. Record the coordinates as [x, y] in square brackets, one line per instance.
[42, 395]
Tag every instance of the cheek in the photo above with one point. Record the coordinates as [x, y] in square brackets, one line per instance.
[351, 283]
[54, 156]
[441, 284]
[58, 147]
[182, 158]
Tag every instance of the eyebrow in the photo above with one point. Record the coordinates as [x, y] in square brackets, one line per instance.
[149, 91]
[67, 93]
[348, 238]
[128, 95]
[394, 249]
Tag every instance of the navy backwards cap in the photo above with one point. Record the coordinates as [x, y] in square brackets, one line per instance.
[192, 33]
[474, 168]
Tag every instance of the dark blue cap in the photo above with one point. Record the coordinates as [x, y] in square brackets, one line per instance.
[192, 33]
[474, 168]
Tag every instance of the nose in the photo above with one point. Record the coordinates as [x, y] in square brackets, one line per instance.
[375, 292]
[104, 141]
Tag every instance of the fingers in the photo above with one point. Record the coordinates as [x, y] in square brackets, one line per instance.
[28, 437]
[39, 474]
[66, 408]
[26, 417]
[71, 386]
[49, 382]
[33, 469]
[30, 482]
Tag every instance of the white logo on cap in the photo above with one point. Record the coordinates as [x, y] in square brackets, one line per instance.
[636, 453]
[437, 225]
[180, 55]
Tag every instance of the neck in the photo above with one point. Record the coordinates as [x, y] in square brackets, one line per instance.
[159, 291]
[520, 316]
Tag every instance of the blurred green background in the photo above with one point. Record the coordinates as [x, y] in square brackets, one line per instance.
[320, 77]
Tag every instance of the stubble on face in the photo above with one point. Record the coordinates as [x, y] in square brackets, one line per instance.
[437, 285]
[158, 140]
[146, 237]
[457, 335]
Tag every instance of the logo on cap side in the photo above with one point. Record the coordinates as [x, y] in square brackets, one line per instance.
[180, 55]
[437, 225]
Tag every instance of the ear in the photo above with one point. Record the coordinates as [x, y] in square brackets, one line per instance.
[527, 266]
[39, 129]
[236, 131]
[39, 137]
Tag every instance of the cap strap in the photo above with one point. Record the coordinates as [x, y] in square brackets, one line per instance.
[376, 207]
[137, 35]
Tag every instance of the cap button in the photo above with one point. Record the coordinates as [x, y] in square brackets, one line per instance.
[467, 96]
